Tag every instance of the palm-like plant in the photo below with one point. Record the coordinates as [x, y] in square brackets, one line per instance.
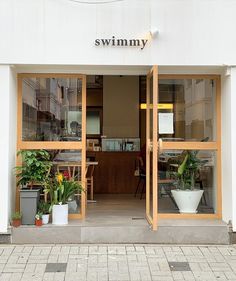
[189, 168]
[61, 189]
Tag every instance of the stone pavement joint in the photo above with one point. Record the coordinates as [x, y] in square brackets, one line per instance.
[117, 262]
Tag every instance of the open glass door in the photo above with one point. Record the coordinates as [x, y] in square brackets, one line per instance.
[152, 147]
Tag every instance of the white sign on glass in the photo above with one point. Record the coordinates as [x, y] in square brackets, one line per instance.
[166, 123]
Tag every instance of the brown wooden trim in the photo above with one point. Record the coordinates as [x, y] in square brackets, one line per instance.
[188, 76]
[149, 219]
[19, 136]
[75, 216]
[83, 172]
[147, 146]
[188, 216]
[190, 145]
[49, 75]
[155, 149]
[50, 145]
[219, 151]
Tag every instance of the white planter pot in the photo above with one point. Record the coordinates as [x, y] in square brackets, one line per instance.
[60, 214]
[45, 218]
[187, 200]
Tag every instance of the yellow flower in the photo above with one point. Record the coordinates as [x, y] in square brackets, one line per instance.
[59, 178]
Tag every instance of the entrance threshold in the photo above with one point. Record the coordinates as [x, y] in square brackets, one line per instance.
[179, 231]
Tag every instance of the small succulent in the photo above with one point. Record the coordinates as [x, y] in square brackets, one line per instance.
[38, 216]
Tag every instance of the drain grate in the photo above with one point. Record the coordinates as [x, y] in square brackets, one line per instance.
[179, 266]
[138, 218]
[56, 267]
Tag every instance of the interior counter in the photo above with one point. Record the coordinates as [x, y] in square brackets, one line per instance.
[115, 172]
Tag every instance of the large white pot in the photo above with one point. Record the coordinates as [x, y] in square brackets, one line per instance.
[45, 218]
[187, 200]
[60, 214]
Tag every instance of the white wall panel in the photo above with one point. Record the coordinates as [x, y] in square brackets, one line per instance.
[191, 32]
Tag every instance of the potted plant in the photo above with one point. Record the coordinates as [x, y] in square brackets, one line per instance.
[60, 190]
[16, 219]
[44, 208]
[38, 219]
[33, 172]
[187, 196]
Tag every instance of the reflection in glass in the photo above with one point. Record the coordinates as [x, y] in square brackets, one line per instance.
[187, 109]
[51, 109]
[204, 178]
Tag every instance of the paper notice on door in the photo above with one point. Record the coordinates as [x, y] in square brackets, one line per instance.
[166, 123]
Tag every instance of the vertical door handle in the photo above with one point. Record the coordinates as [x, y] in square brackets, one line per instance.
[160, 146]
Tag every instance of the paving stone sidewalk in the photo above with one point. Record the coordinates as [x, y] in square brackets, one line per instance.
[117, 262]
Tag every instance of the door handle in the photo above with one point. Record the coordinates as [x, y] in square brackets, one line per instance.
[160, 146]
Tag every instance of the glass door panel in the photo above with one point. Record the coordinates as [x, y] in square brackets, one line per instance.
[52, 116]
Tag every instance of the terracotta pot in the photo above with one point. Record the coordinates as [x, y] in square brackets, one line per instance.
[16, 223]
[38, 222]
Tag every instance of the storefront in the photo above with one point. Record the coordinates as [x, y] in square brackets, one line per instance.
[152, 81]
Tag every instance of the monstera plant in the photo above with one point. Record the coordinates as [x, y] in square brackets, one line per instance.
[188, 196]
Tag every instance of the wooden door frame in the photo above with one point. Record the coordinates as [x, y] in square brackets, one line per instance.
[152, 217]
[212, 146]
[81, 145]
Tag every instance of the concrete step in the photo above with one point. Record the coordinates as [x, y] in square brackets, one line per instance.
[5, 238]
[169, 232]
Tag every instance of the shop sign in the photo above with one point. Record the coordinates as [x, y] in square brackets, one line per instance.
[117, 42]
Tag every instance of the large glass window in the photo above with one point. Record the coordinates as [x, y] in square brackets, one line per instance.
[187, 109]
[52, 109]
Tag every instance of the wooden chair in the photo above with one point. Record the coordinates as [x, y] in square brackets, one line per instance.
[139, 166]
[89, 180]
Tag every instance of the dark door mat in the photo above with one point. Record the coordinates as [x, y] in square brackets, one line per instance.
[56, 267]
[179, 266]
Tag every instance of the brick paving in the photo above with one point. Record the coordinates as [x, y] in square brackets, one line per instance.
[117, 262]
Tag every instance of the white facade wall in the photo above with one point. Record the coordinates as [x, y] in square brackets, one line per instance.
[232, 160]
[195, 37]
[7, 143]
[191, 32]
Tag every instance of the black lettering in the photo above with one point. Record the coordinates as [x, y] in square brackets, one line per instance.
[97, 42]
[106, 42]
[113, 40]
[134, 42]
[144, 42]
[122, 42]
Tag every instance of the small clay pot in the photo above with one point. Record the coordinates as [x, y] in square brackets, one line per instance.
[38, 222]
[16, 222]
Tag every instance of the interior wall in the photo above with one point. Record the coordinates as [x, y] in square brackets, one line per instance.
[121, 106]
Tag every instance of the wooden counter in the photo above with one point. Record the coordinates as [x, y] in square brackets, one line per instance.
[114, 173]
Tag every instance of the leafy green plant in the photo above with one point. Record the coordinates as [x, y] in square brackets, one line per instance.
[16, 216]
[61, 189]
[188, 169]
[44, 207]
[38, 216]
[35, 167]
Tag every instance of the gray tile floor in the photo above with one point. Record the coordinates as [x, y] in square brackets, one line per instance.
[117, 262]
